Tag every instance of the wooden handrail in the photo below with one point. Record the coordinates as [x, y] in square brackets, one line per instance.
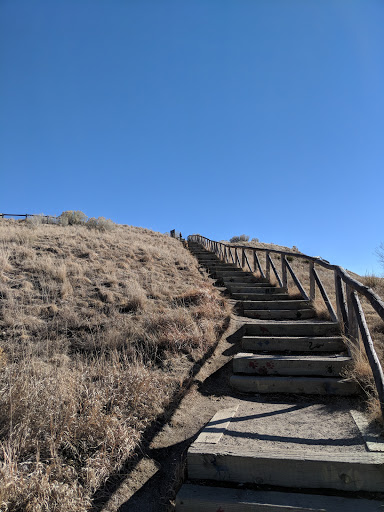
[376, 301]
[349, 311]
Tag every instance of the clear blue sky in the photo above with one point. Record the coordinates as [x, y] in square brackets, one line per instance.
[223, 117]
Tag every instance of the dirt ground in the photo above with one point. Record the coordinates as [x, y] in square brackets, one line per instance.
[150, 483]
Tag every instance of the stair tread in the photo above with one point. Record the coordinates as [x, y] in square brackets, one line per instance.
[192, 497]
[330, 358]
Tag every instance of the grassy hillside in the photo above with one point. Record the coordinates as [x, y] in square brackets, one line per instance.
[97, 332]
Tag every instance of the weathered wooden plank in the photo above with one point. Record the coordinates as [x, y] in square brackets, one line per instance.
[256, 264]
[216, 427]
[372, 436]
[341, 302]
[352, 471]
[284, 271]
[247, 261]
[374, 362]
[275, 271]
[192, 498]
[353, 327]
[297, 281]
[324, 295]
[268, 266]
[312, 286]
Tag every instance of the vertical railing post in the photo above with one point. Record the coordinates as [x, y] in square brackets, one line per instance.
[267, 266]
[312, 283]
[341, 303]
[243, 258]
[353, 327]
[284, 275]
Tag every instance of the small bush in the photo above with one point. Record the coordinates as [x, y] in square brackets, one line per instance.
[101, 223]
[241, 238]
[72, 218]
[290, 258]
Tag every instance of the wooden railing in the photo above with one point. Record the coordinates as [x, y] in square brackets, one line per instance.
[26, 215]
[349, 312]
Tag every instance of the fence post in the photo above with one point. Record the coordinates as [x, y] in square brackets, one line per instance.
[284, 276]
[312, 283]
[243, 258]
[353, 328]
[341, 303]
[267, 266]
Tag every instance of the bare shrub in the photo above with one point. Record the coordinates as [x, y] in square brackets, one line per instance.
[72, 218]
[241, 238]
[101, 223]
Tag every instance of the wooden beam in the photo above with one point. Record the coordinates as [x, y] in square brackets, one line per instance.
[312, 286]
[341, 302]
[374, 362]
[325, 296]
[268, 266]
[275, 271]
[256, 264]
[297, 281]
[284, 271]
[247, 261]
[353, 326]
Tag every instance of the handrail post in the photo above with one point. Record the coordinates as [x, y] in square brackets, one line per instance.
[237, 260]
[341, 302]
[312, 284]
[353, 328]
[284, 275]
[267, 266]
[243, 258]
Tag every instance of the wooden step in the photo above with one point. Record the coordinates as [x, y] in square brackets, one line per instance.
[297, 365]
[292, 329]
[295, 385]
[276, 304]
[242, 279]
[192, 498]
[232, 273]
[254, 289]
[353, 471]
[258, 297]
[279, 314]
[292, 344]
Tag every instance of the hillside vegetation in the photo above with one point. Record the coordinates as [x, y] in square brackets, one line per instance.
[98, 330]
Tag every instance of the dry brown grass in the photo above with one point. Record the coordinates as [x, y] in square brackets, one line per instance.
[97, 331]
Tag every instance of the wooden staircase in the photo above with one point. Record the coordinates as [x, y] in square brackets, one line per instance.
[285, 349]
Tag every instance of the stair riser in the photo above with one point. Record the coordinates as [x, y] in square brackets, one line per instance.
[213, 499]
[292, 329]
[232, 273]
[228, 281]
[259, 297]
[291, 345]
[307, 471]
[299, 367]
[267, 290]
[281, 304]
[280, 314]
[291, 385]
